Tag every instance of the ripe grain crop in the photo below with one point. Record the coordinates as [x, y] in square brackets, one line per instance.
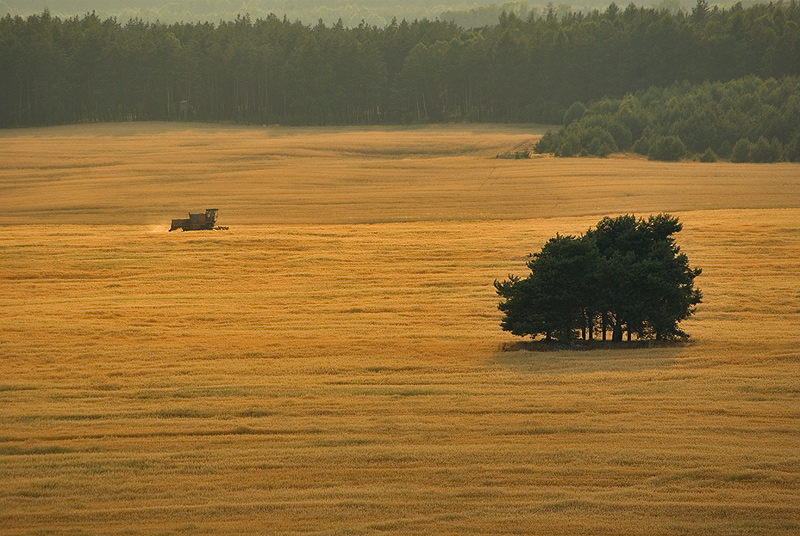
[330, 364]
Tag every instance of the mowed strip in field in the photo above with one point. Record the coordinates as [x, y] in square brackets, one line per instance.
[330, 364]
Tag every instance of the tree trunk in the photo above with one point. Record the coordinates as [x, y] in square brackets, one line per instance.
[616, 335]
[583, 326]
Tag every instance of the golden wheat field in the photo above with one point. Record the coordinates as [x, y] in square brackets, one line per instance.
[330, 365]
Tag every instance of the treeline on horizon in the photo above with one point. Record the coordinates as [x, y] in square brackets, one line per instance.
[352, 12]
[274, 71]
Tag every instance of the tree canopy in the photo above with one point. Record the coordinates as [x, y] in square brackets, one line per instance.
[748, 119]
[528, 67]
[626, 275]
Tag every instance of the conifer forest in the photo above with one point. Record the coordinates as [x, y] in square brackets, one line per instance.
[272, 70]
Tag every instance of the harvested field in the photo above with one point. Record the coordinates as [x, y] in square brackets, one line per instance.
[331, 364]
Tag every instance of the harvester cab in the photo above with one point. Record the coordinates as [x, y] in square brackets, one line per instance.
[211, 216]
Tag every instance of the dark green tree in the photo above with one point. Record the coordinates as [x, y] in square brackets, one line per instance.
[554, 300]
[669, 290]
[763, 151]
[741, 151]
[709, 156]
[793, 149]
[574, 113]
[667, 148]
[648, 285]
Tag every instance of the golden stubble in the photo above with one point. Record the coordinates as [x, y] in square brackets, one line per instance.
[133, 174]
[338, 372]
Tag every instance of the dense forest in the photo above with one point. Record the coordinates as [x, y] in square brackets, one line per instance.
[352, 12]
[273, 70]
[747, 120]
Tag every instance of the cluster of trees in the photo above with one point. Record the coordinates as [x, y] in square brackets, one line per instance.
[273, 70]
[763, 150]
[746, 120]
[626, 275]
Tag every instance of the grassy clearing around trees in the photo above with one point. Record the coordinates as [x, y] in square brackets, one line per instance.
[330, 364]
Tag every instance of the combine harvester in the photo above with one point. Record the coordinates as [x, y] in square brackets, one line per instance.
[198, 222]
